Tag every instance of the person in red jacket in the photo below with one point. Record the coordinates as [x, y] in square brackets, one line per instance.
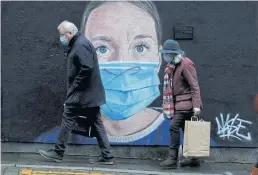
[181, 99]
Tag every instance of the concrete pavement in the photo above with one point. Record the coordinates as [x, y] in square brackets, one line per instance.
[225, 155]
[34, 164]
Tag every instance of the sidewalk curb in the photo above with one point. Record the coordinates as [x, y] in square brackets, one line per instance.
[115, 170]
[8, 164]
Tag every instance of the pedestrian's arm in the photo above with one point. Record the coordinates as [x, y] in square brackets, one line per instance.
[189, 72]
[256, 103]
[84, 62]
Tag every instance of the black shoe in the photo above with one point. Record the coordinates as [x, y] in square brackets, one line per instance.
[191, 163]
[51, 154]
[102, 160]
[169, 163]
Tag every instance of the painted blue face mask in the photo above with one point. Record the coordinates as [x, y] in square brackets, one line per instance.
[130, 88]
[63, 40]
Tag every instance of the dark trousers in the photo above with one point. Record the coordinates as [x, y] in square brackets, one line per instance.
[175, 124]
[69, 119]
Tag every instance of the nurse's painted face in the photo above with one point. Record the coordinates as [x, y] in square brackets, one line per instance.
[121, 31]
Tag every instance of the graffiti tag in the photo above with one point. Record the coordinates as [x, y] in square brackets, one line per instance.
[232, 127]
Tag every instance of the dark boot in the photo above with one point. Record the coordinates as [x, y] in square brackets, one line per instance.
[171, 161]
[194, 162]
[51, 155]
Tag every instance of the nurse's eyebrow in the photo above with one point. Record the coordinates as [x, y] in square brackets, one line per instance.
[142, 36]
[103, 38]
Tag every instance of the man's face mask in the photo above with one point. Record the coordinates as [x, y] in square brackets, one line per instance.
[63, 40]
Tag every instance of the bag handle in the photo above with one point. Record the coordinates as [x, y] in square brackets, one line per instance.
[197, 118]
[194, 117]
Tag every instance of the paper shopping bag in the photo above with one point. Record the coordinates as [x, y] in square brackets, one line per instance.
[196, 138]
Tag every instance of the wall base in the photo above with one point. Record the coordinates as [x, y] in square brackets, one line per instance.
[227, 155]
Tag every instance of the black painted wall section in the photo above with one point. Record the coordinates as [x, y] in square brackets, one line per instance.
[224, 50]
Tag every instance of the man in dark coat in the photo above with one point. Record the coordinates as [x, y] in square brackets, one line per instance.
[85, 93]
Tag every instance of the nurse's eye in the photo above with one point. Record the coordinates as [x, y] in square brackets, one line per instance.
[141, 48]
[102, 50]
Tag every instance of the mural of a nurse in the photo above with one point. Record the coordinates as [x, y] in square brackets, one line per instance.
[127, 37]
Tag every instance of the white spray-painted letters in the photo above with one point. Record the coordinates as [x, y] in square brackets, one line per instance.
[233, 127]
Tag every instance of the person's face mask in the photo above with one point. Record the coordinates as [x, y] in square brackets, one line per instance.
[64, 40]
[177, 59]
[172, 59]
[167, 58]
[130, 88]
